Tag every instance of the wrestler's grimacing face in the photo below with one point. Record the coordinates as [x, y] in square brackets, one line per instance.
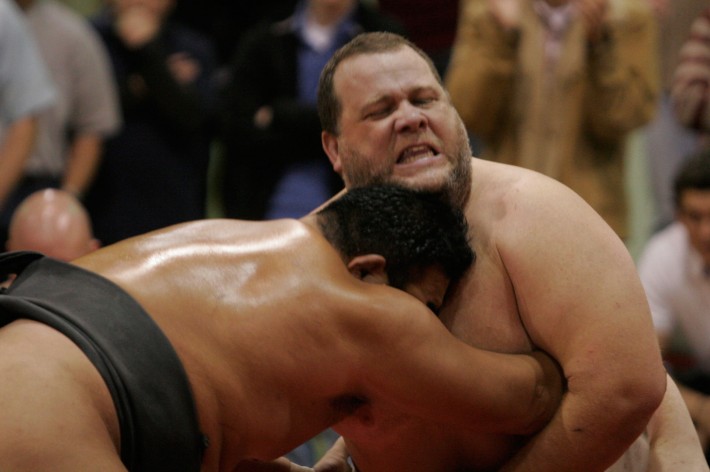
[397, 125]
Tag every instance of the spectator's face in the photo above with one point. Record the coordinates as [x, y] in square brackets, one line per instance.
[694, 213]
[397, 125]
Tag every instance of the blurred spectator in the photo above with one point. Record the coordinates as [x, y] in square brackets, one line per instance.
[275, 165]
[675, 272]
[25, 89]
[668, 142]
[70, 134]
[556, 86]
[431, 25]
[225, 21]
[154, 171]
[53, 222]
[691, 81]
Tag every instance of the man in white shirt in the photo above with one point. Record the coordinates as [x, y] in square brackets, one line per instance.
[675, 272]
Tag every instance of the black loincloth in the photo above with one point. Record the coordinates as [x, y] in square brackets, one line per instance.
[148, 384]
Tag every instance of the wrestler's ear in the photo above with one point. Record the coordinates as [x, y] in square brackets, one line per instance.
[330, 146]
[369, 268]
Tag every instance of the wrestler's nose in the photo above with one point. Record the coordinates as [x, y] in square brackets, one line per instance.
[410, 118]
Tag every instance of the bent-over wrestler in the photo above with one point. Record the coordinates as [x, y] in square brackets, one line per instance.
[220, 345]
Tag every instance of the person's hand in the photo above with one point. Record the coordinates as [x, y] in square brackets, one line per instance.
[335, 459]
[136, 26]
[506, 13]
[593, 13]
[184, 68]
[263, 117]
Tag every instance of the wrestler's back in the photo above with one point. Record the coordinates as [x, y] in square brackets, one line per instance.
[231, 296]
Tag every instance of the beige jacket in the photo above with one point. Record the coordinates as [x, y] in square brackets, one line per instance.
[570, 122]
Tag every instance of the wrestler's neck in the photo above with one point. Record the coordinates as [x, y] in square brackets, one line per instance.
[311, 220]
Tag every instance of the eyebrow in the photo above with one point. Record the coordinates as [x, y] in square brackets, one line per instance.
[387, 97]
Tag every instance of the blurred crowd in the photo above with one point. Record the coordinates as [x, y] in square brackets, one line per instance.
[147, 113]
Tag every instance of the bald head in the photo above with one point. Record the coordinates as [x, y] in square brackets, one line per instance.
[54, 223]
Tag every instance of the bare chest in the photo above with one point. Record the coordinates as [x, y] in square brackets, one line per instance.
[482, 309]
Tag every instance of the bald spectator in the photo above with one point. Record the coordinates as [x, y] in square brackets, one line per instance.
[54, 223]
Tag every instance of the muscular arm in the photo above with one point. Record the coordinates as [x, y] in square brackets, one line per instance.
[409, 358]
[581, 301]
[674, 442]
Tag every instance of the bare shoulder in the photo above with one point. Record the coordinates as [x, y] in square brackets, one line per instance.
[538, 224]
[547, 240]
[198, 252]
[57, 413]
[519, 206]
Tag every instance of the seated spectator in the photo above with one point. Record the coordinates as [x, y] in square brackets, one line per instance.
[52, 222]
[675, 271]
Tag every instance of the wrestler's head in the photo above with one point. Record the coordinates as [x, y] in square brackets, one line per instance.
[387, 118]
[413, 239]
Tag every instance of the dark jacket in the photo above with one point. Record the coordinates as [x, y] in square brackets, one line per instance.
[264, 72]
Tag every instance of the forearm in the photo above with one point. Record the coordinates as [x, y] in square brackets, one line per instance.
[674, 441]
[83, 162]
[14, 151]
[480, 390]
[590, 431]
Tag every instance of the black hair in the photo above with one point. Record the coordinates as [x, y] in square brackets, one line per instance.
[411, 229]
[694, 174]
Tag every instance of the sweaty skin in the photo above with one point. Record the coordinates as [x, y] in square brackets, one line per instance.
[256, 313]
[549, 273]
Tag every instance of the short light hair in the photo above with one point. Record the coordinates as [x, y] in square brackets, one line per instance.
[329, 107]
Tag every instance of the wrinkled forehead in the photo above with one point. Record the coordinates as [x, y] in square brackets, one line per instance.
[369, 75]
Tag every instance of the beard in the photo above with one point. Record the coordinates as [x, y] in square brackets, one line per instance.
[359, 171]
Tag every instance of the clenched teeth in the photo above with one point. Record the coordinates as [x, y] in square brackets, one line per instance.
[413, 153]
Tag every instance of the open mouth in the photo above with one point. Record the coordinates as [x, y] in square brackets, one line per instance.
[415, 153]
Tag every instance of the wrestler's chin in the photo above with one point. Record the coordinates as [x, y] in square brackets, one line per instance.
[430, 173]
